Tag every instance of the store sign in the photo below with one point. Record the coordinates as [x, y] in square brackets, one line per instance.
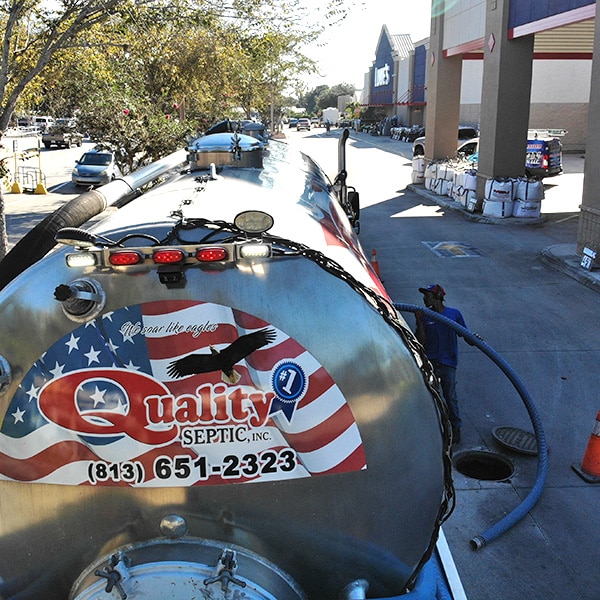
[382, 76]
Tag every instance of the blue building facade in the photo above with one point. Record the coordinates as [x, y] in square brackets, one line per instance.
[524, 12]
[382, 74]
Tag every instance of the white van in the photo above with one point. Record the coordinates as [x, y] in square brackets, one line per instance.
[43, 123]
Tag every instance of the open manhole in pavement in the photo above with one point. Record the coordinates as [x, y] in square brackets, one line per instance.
[480, 464]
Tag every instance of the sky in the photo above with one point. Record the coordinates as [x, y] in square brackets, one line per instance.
[349, 49]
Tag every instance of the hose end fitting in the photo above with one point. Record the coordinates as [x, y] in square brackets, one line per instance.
[477, 543]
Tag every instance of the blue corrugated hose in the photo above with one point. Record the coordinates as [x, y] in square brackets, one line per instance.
[479, 541]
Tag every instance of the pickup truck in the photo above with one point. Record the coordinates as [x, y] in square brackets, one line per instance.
[61, 136]
[464, 134]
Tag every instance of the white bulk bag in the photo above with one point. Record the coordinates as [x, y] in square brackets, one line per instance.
[470, 180]
[528, 210]
[450, 172]
[529, 190]
[417, 177]
[500, 189]
[431, 170]
[500, 210]
[418, 165]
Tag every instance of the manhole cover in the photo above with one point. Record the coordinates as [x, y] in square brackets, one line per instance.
[516, 439]
[480, 464]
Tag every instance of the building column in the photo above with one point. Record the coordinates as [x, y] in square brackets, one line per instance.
[443, 96]
[505, 99]
[588, 235]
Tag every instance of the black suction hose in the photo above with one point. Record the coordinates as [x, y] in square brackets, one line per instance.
[479, 541]
[40, 240]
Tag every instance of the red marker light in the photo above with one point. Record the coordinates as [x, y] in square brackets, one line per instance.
[124, 258]
[168, 257]
[211, 254]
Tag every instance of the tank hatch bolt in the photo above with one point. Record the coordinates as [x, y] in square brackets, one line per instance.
[5, 376]
[114, 574]
[225, 570]
[173, 526]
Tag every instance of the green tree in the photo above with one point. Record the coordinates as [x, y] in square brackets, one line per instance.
[329, 97]
[32, 35]
[102, 55]
[310, 100]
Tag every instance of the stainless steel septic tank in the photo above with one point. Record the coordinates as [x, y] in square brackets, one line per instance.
[207, 394]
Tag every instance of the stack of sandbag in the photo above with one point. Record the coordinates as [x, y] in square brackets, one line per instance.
[418, 169]
[430, 176]
[465, 184]
[499, 197]
[445, 179]
[439, 177]
[513, 197]
[504, 196]
[529, 194]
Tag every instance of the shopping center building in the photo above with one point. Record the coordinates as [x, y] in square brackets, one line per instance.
[505, 66]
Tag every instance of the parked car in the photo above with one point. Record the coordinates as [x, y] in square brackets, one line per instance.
[95, 167]
[464, 133]
[303, 124]
[43, 123]
[543, 156]
[62, 136]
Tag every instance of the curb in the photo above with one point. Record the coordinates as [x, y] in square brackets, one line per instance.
[475, 217]
[564, 258]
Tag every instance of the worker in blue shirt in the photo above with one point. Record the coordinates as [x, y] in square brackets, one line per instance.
[441, 346]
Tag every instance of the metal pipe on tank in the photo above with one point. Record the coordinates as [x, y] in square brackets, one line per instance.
[121, 188]
[40, 240]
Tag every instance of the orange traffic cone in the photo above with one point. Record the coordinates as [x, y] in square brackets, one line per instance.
[589, 469]
[375, 263]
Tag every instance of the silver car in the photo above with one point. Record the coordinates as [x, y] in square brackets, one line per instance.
[303, 124]
[95, 167]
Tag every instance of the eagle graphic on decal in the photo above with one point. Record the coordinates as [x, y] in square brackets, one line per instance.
[223, 360]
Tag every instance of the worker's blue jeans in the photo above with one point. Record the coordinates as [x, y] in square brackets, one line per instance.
[447, 377]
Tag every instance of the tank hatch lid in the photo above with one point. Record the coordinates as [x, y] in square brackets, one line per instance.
[226, 149]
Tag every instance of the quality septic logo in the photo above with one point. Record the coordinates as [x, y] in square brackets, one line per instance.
[105, 402]
[109, 402]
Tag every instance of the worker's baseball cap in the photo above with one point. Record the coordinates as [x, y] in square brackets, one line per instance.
[434, 288]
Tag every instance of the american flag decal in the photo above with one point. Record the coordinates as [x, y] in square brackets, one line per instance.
[177, 394]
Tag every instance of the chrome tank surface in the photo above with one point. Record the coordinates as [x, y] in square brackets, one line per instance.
[263, 400]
